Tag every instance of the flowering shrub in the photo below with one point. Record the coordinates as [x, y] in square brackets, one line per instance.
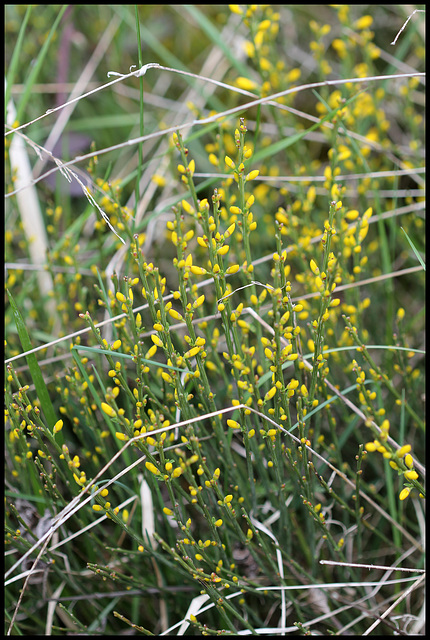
[225, 332]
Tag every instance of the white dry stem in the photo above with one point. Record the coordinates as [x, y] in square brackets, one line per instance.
[299, 587]
[31, 215]
[418, 206]
[210, 119]
[404, 25]
[266, 286]
[266, 530]
[208, 281]
[52, 604]
[194, 609]
[148, 521]
[121, 77]
[395, 604]
[78, 502]
[357, 565]
[69, 175]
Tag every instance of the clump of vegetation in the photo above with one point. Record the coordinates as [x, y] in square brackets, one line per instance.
[214, 326]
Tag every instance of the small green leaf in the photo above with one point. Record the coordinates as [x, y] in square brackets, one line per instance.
[420, 260]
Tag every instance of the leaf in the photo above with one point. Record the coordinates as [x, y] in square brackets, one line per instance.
[420, 260]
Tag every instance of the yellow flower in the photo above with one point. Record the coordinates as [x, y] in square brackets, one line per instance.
[159, 180]
[403, 450]
[156, 340]
[229, 162]
[245, 83]
[364, 22]
[404, 493]
[192, 352]
[411, 475]
[176, 315]
[152, 468]
[198, 271]
[314, 267]
[269, 395]
[235, 8]
[409, 460]
[108, 410]
[58, 426]
[252, 175]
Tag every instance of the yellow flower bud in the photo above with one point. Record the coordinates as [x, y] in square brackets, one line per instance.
[409, 461]
[156, 340]
[235, 210]
[192, 352]
[411, 475]
[176, 315]
[403, 450]
[269, 395]
[198, 271]
[229, 162]
[58, 426]
[314, 267]
[152, 468]
[252, 175]
[404, 493]
[245, 83]
[108, 410]
[197, 303]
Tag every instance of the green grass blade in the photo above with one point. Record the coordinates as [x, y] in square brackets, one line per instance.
[37, 66]
[215, 36]
[420, 260]
[36, 373]
[10, 78]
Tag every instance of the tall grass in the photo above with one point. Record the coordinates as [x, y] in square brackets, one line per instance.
[214, 323]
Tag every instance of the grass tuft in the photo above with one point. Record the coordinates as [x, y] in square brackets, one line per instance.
[214, 320]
